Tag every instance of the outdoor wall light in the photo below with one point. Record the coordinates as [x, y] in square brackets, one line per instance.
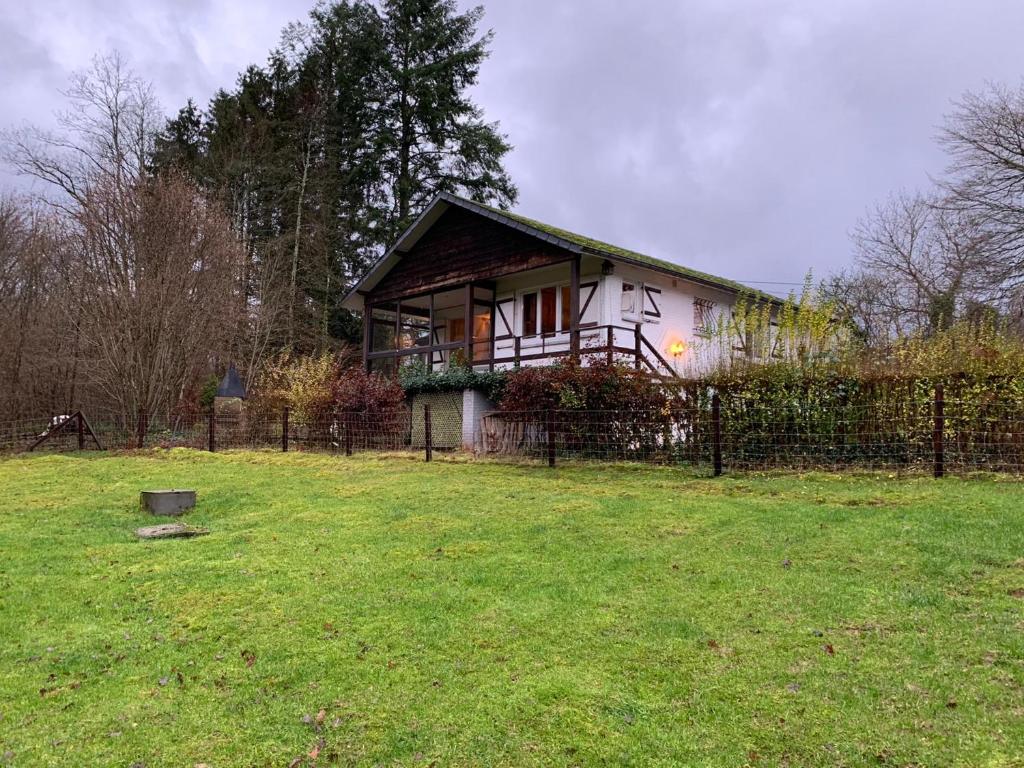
[677, 348]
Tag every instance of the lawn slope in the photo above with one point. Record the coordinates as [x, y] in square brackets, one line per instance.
[370, 611]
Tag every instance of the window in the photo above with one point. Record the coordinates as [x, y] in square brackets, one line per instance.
[529, 313]
[628, 299]
[547, 310]
[703, 315]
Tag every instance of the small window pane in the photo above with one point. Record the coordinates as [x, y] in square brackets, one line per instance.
[529, 314]
[548, 307]
[628, 297]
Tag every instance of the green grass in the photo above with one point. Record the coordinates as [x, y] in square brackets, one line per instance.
[486, 614]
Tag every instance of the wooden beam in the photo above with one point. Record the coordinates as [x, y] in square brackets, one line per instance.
[367, 331]
[430, 336]
[574, 307]
[468, 332]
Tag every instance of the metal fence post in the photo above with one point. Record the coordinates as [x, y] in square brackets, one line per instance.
[551, 437]
[427, 437]
[348, 434]
[938, 430]
[716, 433]
[284, 430]
[212, 431]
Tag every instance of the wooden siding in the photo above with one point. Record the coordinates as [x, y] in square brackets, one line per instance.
[463, 246]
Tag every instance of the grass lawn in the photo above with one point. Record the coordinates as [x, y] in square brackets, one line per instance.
[389, 612]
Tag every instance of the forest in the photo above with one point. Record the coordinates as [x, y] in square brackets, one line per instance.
[157, 248]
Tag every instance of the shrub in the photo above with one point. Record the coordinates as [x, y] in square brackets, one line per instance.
[596, 386]
[315, 387]
[416, 379]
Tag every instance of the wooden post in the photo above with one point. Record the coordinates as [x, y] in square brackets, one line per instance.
[611, 345]
[716, 434]
[551, 437]
[938, 431]
[211, 431]
[427, 437]
[367, 332]
[574, 308]
[81, 430]
[284, 430]
[348, 434]
[519, 350]
[467, 338]
[638, 336]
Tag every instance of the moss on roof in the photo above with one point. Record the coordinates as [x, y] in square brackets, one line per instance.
[615, 252]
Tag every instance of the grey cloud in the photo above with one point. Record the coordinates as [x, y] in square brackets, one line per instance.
[740, 137]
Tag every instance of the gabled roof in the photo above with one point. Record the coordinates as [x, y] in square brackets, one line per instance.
[562, 238]
[231, 384]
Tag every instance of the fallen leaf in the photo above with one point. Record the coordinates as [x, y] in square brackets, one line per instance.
[827, 648]
[250, 658]
[320, 716]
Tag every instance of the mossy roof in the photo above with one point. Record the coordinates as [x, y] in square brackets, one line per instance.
[597, 247]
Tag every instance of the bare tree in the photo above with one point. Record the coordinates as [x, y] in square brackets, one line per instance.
[920, 265]
[985, 179]
[105, 136]
[155, 269]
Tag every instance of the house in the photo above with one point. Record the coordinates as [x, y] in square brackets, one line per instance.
[471, 284]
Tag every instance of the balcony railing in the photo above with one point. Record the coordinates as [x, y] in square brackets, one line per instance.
[614, 343]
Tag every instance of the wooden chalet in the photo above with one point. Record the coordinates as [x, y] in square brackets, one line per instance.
[471, 284]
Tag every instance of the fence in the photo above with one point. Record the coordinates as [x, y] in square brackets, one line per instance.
[713, 433]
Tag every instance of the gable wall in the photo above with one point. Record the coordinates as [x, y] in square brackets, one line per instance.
[463, 246]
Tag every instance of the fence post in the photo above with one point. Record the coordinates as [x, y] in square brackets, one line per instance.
[518, 345]
[427, 437]
[611, 344]
[81, 432]
[638, 351]
[938, 431]
[212, 431]
[716, 433]
[284, 430]
[348, 434]
[140, 428]
[551, 437]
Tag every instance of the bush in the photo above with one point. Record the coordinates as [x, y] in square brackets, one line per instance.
[596, 386]
[315, 387]
[416, 379]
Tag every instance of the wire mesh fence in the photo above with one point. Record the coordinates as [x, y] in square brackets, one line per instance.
[712, 433]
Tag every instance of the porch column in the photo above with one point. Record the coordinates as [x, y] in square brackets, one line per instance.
[367, 326]
[468, 335]
[574, 307]
[430, 335]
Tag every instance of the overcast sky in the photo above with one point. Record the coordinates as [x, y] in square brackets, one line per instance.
[742, 137]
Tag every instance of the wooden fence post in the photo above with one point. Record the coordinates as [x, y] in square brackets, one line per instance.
[610, 343]
[284, 430]
[81, 431]
[518, 346]
[638, 351]
[716, 433]
[427, 437]
[938, 431]
[551, 437]
[348, 434]
[212, 431]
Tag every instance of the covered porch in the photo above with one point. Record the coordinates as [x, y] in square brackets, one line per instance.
[534, 317]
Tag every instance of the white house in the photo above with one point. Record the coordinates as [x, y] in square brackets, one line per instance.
[470, 283]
